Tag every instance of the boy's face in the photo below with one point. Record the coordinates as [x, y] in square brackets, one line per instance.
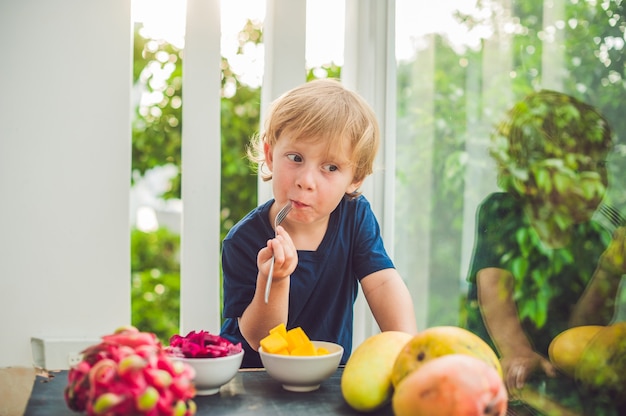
[304, 173]
[572, 189]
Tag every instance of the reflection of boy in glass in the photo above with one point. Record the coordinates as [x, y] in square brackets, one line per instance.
[540, 264]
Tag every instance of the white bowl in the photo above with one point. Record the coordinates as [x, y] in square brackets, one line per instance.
[303, 373]
[213, 373]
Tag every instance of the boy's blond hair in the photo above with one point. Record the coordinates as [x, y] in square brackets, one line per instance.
[322, 110]
[544, 127]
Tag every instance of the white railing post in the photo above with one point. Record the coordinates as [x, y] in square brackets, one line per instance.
[200, 242]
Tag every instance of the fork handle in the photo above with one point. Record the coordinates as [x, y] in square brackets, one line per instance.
[268, 285]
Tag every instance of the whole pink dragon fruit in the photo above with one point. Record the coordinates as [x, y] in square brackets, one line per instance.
[130, 373]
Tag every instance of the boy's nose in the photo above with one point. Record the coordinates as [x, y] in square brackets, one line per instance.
[306, 179]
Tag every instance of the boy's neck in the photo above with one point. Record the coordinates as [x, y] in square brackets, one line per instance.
[551, 233]
[308, 237]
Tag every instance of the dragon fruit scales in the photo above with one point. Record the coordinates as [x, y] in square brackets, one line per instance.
[130, 373]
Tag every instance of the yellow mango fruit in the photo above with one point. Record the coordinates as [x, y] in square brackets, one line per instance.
[566, 348]
[451, 385]
[366, 379]
[602, 365]
[438, 341]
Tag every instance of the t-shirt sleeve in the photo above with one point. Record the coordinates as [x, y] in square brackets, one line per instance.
[369, 250]
[239, 273]
[495, 228]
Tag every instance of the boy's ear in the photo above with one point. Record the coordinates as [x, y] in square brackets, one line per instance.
[354, 186]
[269, 159]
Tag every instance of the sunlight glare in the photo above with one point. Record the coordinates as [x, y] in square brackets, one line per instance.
[162, 19]
[414, 22]
[146, 219]
[325, 27]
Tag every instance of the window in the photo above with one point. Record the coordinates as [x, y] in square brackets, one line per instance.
[460, 67]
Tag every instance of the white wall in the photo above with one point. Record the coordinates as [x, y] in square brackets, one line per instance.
[64, 171]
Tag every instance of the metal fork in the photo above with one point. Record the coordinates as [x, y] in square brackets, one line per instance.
[282, 214]
[613, 215]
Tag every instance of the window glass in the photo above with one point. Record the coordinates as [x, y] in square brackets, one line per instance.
[501, 179]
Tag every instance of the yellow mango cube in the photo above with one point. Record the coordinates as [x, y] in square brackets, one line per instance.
[322, 351]
[290, 342]
[281, 329]
[274, 343]
[305, 349]
[296, 338]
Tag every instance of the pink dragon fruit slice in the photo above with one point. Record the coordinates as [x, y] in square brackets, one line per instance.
[201, 344]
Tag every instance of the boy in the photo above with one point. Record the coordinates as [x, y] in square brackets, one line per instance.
[541, 264]
[319, 144]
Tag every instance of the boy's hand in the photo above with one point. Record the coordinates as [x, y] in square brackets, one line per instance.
[285, 255]
[517, 369]
[613, 260]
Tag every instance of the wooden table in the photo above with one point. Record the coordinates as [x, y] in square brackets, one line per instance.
[251, 392]
[254, 392]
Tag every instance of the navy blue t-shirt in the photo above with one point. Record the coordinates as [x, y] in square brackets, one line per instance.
[323, 286]
[565, 270]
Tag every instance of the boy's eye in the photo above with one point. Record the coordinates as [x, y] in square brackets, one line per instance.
[331, 168]
[294, 157]
[592, 166]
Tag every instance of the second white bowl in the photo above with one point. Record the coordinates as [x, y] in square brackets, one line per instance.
[303, 373]
[212, 373]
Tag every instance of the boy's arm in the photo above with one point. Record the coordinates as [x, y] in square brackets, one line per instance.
[597, 304]
[389, 301]
[499, 311]
[259, 317]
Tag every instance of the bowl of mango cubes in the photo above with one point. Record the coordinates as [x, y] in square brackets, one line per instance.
[298, 363]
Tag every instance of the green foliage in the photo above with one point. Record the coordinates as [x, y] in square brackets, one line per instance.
[156, 127]
[596, 70]
[442, 121]
[325, 71]
[431, 156]
[155, 290]
[239, 121]
[157, 133]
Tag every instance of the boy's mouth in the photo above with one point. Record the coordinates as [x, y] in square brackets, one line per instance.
[298, 204]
